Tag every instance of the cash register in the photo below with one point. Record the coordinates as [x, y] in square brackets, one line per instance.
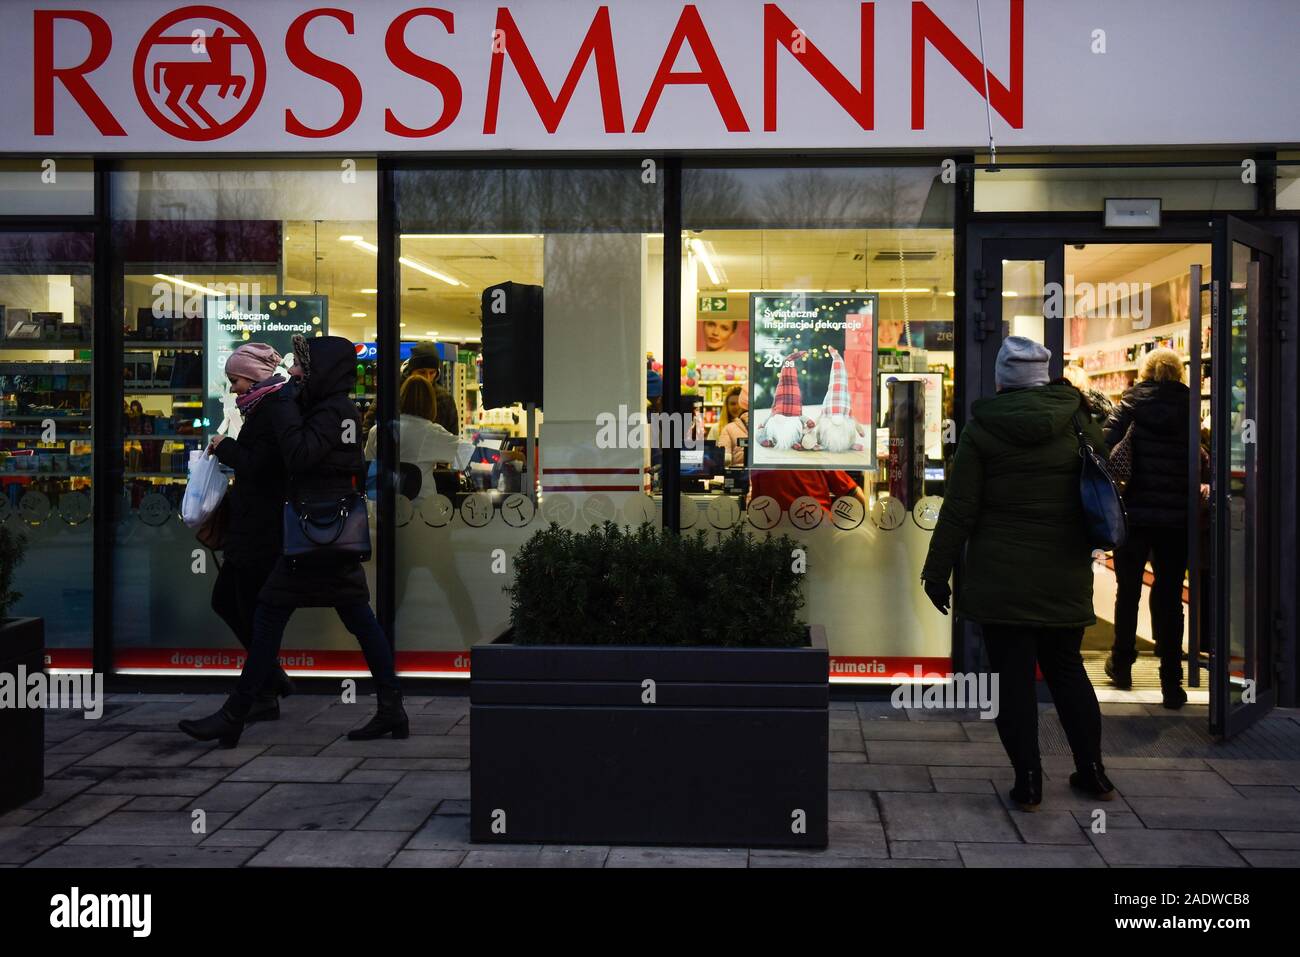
[700, 467]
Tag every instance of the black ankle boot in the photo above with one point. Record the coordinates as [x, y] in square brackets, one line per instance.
[389, 718]
[1027, 793]
[266, 707]
[1120, 673]
[1091, 780]
[224, 725]
[1172, 694]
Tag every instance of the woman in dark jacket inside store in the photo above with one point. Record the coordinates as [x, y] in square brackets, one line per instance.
[1155, 411]
[319, 438]
[253, 523]
[1012, 502]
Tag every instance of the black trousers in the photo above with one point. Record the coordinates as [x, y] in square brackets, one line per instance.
[1013, 652]
[1167, 549]
[269, 622]
[234, 599]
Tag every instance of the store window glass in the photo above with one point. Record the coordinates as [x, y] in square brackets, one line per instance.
[47, 186]
[45, 431]
[496, 434]
[1288, 180]
[214, 254]
[818, 334]
[1022, 298]
[1075, 189]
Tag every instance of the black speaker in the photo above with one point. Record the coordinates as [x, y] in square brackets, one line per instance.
[512, 344]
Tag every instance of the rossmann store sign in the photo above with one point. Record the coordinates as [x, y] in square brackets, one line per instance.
[285, 75]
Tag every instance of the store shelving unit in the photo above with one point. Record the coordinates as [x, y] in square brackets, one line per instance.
[157, 440]
[364, 394]
[705, 388]
[45, 382]
[1117, 377]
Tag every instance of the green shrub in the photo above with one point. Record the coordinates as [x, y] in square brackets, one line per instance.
[12, 547]
[643, 586]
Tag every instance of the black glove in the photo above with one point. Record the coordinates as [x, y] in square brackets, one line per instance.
[939, 593]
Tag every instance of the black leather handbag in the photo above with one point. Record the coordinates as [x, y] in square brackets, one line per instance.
[324, 531]
[1103, 507]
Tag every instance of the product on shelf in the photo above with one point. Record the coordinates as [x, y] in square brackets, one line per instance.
[45, 443]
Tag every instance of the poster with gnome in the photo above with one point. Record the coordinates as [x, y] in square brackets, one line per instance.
[812, 362]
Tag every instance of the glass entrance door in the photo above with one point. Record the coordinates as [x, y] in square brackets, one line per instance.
[1211, 295]
[1243, 474]
[1018, 293]
[1122, 324]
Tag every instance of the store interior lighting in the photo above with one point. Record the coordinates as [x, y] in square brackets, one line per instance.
[405, 261]
[186, 284]
[428, 271]
[704, 253]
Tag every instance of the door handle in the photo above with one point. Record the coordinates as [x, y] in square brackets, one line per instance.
[984, 324]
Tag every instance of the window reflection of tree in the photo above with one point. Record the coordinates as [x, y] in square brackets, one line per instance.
[815, 197]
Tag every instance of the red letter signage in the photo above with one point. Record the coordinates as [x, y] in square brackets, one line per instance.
[1009, 102]
[72, 77]
[598, 44]
[690, 29]
[335, 74]
[435, 73]
[778, 28]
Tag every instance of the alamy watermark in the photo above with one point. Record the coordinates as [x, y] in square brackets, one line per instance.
[75, 910]
[654, 430]
[76, 692]
[175, 297]
[1099, 300]
[977, 691]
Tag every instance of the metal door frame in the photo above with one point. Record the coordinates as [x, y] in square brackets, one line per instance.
[1267, 621]
[985, 241]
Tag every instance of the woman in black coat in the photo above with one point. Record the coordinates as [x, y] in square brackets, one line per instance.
[253, 522]
[319, 438]
[1156, 409]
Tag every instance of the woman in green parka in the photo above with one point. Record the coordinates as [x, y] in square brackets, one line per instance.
[1012, 501]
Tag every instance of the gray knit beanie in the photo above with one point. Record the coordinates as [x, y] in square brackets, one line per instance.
[1022, 363]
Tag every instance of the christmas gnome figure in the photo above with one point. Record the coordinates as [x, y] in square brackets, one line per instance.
[786, 425]
[837, 430]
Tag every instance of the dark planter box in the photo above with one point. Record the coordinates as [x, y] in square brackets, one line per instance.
[735, 745]
[22, 730]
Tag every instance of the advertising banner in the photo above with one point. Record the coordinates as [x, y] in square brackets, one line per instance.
[719, 334]
[392, 75]
[229, 323]
[811, 374]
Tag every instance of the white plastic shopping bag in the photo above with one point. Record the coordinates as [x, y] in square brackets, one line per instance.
[206, 489]
[232, 419]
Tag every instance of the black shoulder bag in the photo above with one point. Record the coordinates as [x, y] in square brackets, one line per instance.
[1103, 508]
[327, 531]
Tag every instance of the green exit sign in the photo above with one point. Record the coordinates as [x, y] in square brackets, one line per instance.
[713, 304]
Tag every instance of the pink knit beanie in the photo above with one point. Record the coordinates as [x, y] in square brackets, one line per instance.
[254, 361]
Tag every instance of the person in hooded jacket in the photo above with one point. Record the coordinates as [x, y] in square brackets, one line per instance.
[1013, 503]
[253, 521]
[319, 438]
[1156, 409]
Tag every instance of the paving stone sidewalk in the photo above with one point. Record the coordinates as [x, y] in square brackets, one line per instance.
[908, 789]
